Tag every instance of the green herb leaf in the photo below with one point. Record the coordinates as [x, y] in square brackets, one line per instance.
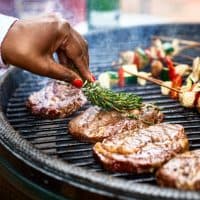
[109, 100]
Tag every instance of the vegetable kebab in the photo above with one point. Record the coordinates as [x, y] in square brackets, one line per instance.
[158, 51]
[157, 56]
[190, 92]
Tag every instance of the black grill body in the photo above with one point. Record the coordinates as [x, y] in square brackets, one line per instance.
[43, 151]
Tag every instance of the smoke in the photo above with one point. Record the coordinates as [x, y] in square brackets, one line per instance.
[72, 10]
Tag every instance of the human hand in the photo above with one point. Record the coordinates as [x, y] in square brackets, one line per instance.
[30, 44]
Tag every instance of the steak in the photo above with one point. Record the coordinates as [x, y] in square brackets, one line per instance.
[95, 124]
[56, 100]
[143, 150]
[181, 172]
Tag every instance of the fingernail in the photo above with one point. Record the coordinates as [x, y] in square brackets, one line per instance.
[77, 83]
[93, 77]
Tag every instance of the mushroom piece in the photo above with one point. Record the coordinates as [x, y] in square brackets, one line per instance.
[156, 68]
[187, 99]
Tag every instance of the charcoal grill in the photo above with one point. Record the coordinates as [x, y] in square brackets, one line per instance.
[50, 162]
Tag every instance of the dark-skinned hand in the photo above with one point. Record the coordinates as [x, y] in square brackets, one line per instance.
[30, 44]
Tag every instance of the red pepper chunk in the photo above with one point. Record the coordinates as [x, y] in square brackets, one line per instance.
[159, 55]
[148, 54]
[197, 96]
[172, 71]
[136, 59]
[121, 81]
[176, 83]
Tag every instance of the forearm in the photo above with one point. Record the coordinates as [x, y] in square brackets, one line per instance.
[5, 24]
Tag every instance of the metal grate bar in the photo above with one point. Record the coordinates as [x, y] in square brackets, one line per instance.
[68, 151]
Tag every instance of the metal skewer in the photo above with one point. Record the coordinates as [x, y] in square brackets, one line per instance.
[153, 80]
[175, 63]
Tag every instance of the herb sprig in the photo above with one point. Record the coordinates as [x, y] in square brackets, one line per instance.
[110, 100]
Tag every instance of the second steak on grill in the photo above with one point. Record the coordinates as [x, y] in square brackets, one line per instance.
[143, 150]
[181, 172]
[56, 100]
[94, 124]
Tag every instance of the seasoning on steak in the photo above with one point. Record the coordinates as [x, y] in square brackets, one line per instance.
[95, 124]
[181, 172]
[56, 100]
[143, 150]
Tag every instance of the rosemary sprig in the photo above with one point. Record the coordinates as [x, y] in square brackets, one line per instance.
[109, 100]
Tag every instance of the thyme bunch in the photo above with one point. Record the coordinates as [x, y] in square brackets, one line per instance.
[109, 100]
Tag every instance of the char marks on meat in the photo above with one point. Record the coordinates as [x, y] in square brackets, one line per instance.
[56, 100]
[95, 124]
[182, 172]
[143, 150]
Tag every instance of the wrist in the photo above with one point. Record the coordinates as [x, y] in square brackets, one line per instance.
[5, 25]
[7, 42]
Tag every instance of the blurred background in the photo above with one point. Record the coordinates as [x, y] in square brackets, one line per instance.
[88, 15]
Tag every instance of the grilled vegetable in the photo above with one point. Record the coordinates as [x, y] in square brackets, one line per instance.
[172, 70]
[198, 102]
[148, 54]
[190, 94]
[188, 86]
[176, 46]
[157, 43]
[136, 59]
[164, 90]
[144, 60]
[168, 48]
[121, 80]
[196, 87]
[108, 79]
[182, 69]
[141, 81]
[156, 68]
[128, 77]
[187, 99]
[160, 55]
[176, 83]
[164, 75]
[195, 75]
[127, 57]
[111, 78]
[153, 52]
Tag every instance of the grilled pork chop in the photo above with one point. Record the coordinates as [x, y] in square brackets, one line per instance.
[143, 150]
[56, 100]
[181, 172]
[94, 124]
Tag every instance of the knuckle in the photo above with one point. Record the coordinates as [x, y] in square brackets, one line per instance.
[86, 44]
[65, 27]
[80, 55]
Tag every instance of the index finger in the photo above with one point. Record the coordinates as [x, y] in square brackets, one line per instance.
[76, 49]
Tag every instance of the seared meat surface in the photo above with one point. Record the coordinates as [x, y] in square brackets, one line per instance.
[142, 150]
[181, 172]
[94, 124]
[56, 100]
